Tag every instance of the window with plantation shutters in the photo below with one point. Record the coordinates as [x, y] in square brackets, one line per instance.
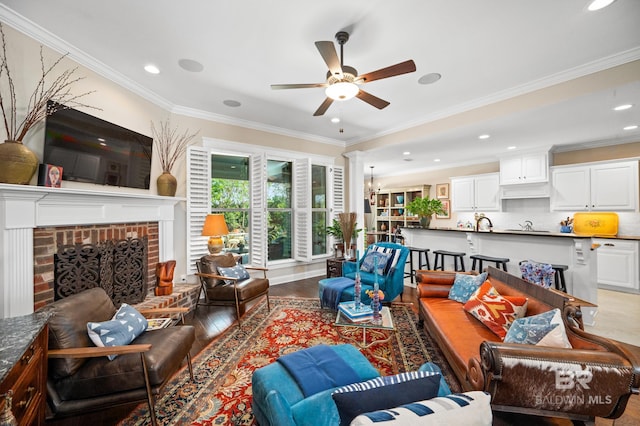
[314, 190]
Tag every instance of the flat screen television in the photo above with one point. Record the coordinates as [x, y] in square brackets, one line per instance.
[95, 151]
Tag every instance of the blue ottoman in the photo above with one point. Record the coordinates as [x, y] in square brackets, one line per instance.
[278, 401]
[333, 286]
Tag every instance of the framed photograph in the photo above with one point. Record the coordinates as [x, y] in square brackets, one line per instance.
[50, 176]
[447, 210]
[442, 191]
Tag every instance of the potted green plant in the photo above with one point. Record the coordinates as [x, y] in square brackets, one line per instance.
[335, 230]
[425, 208]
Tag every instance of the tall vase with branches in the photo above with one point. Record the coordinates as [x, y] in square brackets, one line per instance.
[347, 225]
[170, 146]
[17, 162]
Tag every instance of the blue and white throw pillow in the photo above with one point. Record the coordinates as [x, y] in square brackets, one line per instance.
[237, 271]
[545, 329]
[470, 409]
[394, 256]
[122, 329]
[384, 392]
[465, 285]
[369, 261]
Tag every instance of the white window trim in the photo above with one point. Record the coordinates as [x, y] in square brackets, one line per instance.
[196, 246]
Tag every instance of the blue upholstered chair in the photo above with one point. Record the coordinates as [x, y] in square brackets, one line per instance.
[391, 284]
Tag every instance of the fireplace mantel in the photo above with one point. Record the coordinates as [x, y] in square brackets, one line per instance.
[23, 208]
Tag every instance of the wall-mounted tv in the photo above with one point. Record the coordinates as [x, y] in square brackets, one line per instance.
[95, 151]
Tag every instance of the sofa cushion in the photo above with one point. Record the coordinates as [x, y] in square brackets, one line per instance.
[68, 326]
[495, 311]
[384, 392]
[465, 285]
[236, 271]
[545, 329]
[370, 259]
[469, 408]
[122, 329]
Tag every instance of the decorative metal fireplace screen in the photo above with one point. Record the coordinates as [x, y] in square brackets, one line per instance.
[119, 267]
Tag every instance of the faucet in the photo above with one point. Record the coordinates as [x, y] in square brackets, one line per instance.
[528, 225]
[479, 219]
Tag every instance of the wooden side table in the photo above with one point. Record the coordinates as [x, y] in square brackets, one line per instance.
[334, 267]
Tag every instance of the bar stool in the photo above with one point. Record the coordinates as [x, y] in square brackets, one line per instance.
[559, 277]
[420, 251]
[499, 261]
[457, 255]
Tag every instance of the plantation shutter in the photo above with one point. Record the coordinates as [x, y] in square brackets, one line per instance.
[258, 235]
[337, 190]
[302, 210]
[198, 203]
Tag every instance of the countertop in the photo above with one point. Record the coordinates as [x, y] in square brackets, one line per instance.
[531, 233]
[16, 334]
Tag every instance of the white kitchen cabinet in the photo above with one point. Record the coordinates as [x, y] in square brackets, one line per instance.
[529, 168]
[618, 264]
[476, 193]
[599, 187]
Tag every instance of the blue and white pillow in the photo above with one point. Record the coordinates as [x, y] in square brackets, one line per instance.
[394, 256]
[545, 329]
[384, 392]
[465, 285]
[370, 259]
[237, 271]
[122, 329]
[470, 409]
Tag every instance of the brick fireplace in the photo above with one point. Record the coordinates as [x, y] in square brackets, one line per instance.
[34, 219]
[47, 240]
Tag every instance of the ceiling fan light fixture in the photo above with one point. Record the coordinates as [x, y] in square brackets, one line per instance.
[342, 91]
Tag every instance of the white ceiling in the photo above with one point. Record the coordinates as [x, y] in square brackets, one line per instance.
[487, 51]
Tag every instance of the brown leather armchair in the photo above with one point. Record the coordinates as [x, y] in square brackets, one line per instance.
[223, 290]
[81, 378]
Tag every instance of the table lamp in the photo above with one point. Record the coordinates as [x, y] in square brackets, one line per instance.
[215, 227]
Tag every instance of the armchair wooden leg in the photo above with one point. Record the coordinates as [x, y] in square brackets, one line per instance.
[190, 366]
[268, 304]
[152, 408]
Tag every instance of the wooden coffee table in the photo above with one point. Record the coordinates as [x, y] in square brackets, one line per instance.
[356, 332]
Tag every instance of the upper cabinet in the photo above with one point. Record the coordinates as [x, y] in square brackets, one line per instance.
[604, 187]
[528, 168]
[475, 193]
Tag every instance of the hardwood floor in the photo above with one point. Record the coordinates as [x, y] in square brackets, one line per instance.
[211, 321]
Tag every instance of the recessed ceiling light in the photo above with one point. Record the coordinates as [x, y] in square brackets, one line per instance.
[429, 78]
[190, 65]
[101, 139]
[599, 4]
[631, 127]
[335, 120]
[151, 69]
[511, 147]
[622, 107]
[231, 103]
[485, 136]
[437, 160]
[406, 153]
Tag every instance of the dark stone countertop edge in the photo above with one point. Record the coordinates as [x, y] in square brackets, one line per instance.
[16, 334]
[534, 234]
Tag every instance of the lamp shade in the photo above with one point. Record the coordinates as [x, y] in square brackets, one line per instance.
[214, 227]
[342, 91]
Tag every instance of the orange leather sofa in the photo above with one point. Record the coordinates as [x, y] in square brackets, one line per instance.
[593, 379]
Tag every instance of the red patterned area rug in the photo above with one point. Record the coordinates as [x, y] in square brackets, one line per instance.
[221, 393]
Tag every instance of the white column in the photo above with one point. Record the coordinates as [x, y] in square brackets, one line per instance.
[356, 190]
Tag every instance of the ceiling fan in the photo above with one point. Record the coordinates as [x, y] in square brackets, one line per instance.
[343, 80]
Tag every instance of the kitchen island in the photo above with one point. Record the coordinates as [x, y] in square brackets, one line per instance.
[572, 250]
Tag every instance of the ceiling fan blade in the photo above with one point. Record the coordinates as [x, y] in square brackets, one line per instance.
[372, 100]
[323, 107]
[328, 52]
[297, 86]
[397, 69]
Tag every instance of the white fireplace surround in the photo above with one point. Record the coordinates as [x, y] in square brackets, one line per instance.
[23, 208]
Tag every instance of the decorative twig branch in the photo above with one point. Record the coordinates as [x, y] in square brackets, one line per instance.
[169, 145]
[38, 107]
